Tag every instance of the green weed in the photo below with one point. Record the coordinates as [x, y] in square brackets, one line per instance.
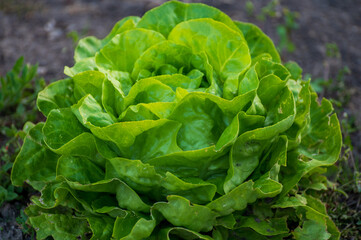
[18, 91]
[22, 220]
[249, 8]
[270, 10]
[287, 23]
[285, 29]
[332, 50]
[75, 36]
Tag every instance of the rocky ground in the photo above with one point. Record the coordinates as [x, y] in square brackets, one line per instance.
[45, 32]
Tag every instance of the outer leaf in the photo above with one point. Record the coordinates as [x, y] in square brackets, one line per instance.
[143, 139]
[317, 134]
[90, 113]
[312, 230]
[148, 111]
[81, 145]
[122, 26]
[132, 227]
[294, 69]
[89, 46]
[235, 200]
[82, 65]
[329, 147]
[141, 177]
[258, 42]
[248, 234]
[193, 189]
[189, 163]
[124, 49]
[62, 227]
[290, 202]
[316, 211]
[144, 178]
[179, 232]
[175, 12]
[265, 67]
[79, 169]
[57, 95]
[35, 163]
[180, 212]
[268, 227]
[88, 194]
[147, 91]
[267, 187]
[88, 82]
[61, 127]
[102, 227]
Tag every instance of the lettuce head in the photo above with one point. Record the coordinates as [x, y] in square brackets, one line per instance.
[182, 124]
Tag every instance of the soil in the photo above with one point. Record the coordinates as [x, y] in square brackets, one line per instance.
[39, 30]
[9, 230]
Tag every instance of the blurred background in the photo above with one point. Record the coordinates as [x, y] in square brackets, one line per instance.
[322, 36]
